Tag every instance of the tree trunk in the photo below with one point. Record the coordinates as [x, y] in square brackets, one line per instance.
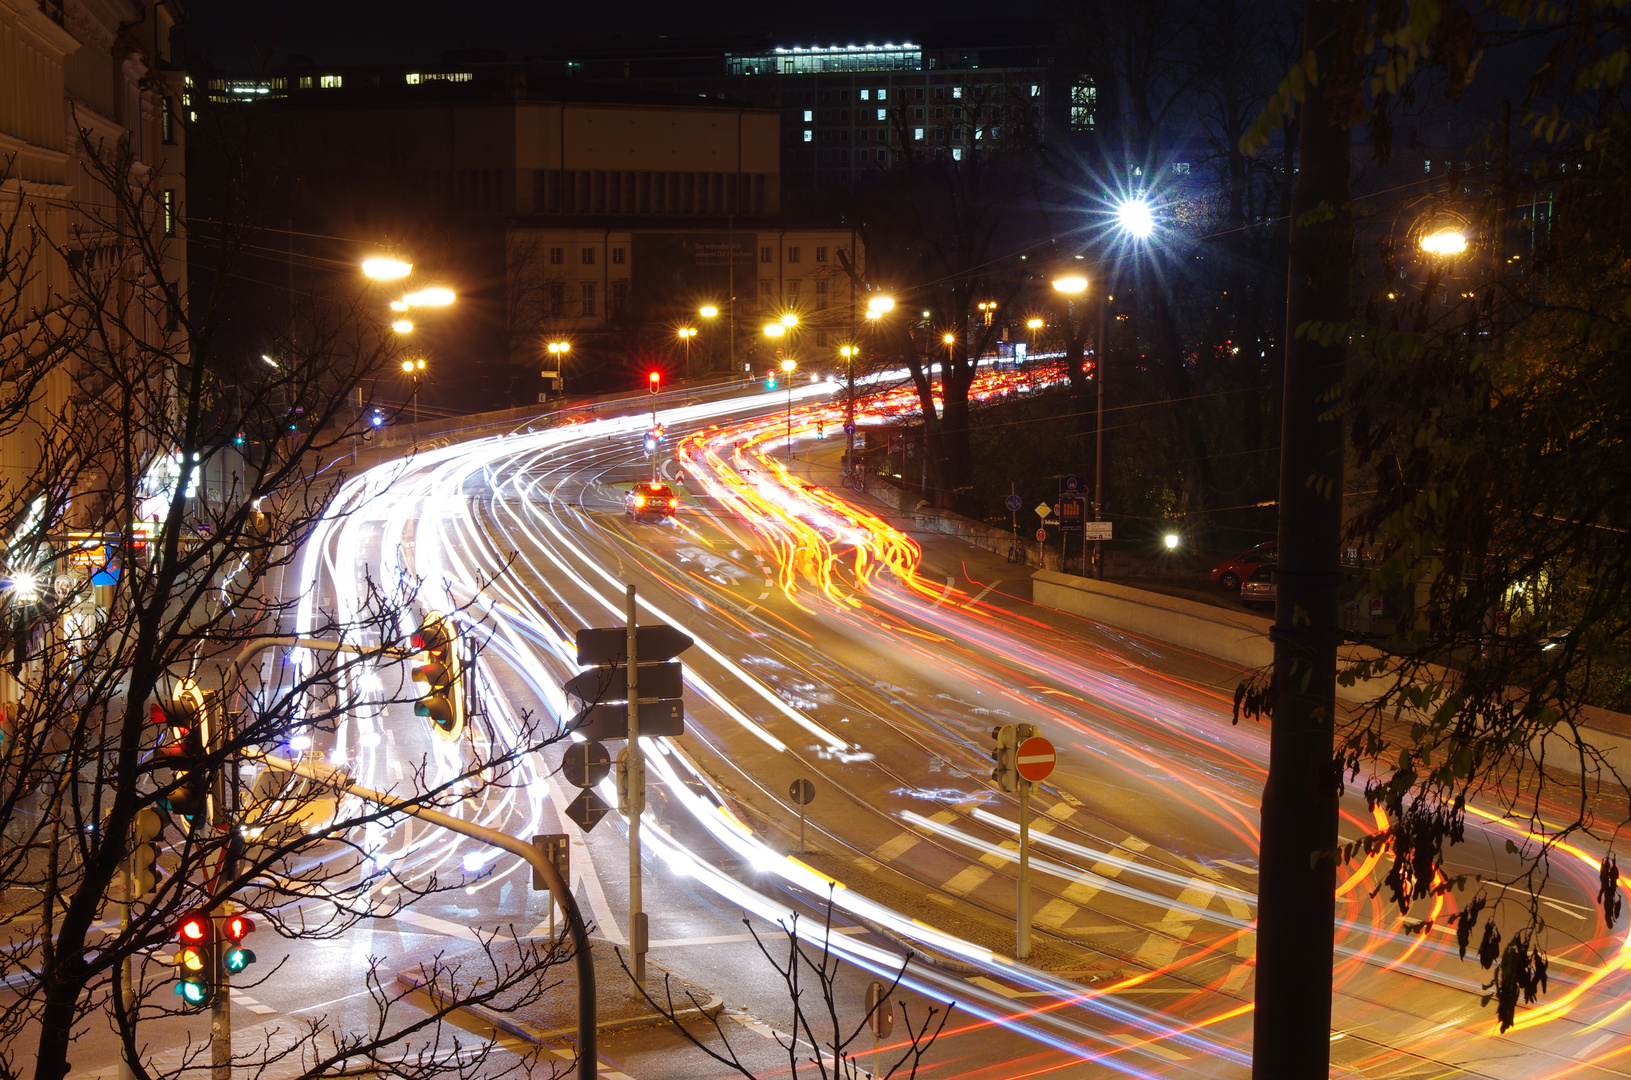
[1296, 901]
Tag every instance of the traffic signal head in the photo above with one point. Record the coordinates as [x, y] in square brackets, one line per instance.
[195, 959]
[143, 831]
[654, 378]
[183, 719]
[770, 380]
[1004, 772]
[437, 666]
[234, 957]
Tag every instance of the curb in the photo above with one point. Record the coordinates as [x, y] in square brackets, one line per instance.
[535, 1031]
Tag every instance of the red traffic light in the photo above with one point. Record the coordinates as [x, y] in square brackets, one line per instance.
[238, 926]
[194, 927]
[655, 376]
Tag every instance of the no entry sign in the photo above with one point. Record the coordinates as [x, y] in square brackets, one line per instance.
[1035, 759]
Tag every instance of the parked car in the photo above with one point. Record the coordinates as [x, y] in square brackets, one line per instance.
[1259, 588]
[1231, 572]
[650, 499]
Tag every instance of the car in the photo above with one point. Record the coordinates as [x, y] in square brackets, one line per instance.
[1259, 588]
[1231, 572]
[650, 499]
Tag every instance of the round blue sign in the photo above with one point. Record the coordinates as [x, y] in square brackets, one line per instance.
[849, 429]
[1072, 484]
[1013, 502]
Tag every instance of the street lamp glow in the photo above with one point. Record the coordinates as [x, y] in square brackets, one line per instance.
[708, 311]
[1136, 217]
[790, 320]
[26, 586]
[402, 326]
[435, 296]
[1071, 284]
[880, 304]
[874, 314]
[949, 338]
[407, 365]
[847, 351]
[385, 268]
[687, 332]
[1171, 540]
[1034, 324]
[269, 360]
[1444, 242]
[558, 347]
[399, 305]
[774, 329]
[789, 365]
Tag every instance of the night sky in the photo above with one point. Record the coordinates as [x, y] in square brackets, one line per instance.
[236, 34]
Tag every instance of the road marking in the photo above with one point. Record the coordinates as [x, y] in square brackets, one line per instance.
[982, 594]
[761, 596]
[951, 583]
[967, 880]
[1236, 867]
[1083, 892]
[1140, 1043]
[440, 926]
[903, 843]
[1007, 991]
[1054, 914]
[1161, 948]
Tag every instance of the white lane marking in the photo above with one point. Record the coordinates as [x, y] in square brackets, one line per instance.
[761, 596]
[951, 583]
[1236, 867]
[440, 926]
[1007, 991]
[981, 595]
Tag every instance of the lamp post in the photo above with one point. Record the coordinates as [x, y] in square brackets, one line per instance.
[1033, 325]
[412, 368]
[710, 312]
[557, 352]
[788, 367]
[848, 353]
[686, 333]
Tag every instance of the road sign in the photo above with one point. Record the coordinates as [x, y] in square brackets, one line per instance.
[607, 645]
[587, 809]
[656, 681]
[880, 1010]
[1070, 485]
[557, 849]
[586, 764]
[1035, 759]
[802, 792]
[1041, 535]
[1072, 512]
[601, 722]
[1096, 530]
[1042, 509]
[849, 429]
[1013, 502]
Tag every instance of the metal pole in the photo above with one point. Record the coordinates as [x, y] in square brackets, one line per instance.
[416, 410]
[1022, 907]
[789, 375]
[1098, 442]
[588, 1057]
[636, 795]
[221, 1004]
[127, 993]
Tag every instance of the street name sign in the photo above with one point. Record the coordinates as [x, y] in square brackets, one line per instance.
[660, 680]
[608, 646]
[601, 722]
[1096, 530]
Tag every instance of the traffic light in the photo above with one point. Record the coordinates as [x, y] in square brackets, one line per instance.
[1004, 774]
[770, 379]
[184, 718]
[195, 959]
[654, 379]
[234, 957]
[143, 852]
[651, 442]
[438, 668]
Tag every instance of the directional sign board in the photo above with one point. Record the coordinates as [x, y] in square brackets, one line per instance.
[557, 849]
[656, 681]
[1035, 759]
[608, 645]
[600, 722]
[849, 429]
[1096, 530]
[1013, 502]
[587, 809]
[586, 764]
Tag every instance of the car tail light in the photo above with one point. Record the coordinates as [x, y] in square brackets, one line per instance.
[673, 503]
[639, 500]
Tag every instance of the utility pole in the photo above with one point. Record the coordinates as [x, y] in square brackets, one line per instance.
[635, 786]
[213, 712]
[1098, 436]
[1297, 883]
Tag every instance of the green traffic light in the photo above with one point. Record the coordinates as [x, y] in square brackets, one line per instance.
[239, 958]
[193, 993]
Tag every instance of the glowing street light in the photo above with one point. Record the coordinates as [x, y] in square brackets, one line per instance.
[434, 296]
[1136, 217]
[385, 268]
[880, 304]
[1070, 284]
[790, 320]
[1033, 324]
[708, 311]
[402, 326]
[1444, 242]
[949, 338]
[774, 330]
[412, 368]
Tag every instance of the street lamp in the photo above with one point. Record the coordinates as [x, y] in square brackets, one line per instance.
[412, 368]
[686, 334]
[557, 352]
[880, 304]
[987, 308]
[385, 268]
[402, 326]
[788, 367]
[1136, 217]
[1445, 242]
[790, 320]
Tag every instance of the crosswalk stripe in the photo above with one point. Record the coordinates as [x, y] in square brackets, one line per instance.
[1054, 914]
[1083, 892]
[967, 880]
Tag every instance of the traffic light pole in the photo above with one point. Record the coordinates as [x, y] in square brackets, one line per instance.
[635, 788]
[588, 1057]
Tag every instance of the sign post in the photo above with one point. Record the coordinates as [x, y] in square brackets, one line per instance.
[880, 1017]
[803, 793]
[1034, 761]
[1042, 511]
[636, 804]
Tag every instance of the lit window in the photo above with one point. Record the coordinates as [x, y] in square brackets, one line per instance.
[809, 136]
[329, 82]
[1036, 91]
[956, 91]
[809, 116]
[413, 78]
[880, 94]
[305, 82]
[917, 134]
[957, 153]
[883, 114]
[865, 95]
[169, 212]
